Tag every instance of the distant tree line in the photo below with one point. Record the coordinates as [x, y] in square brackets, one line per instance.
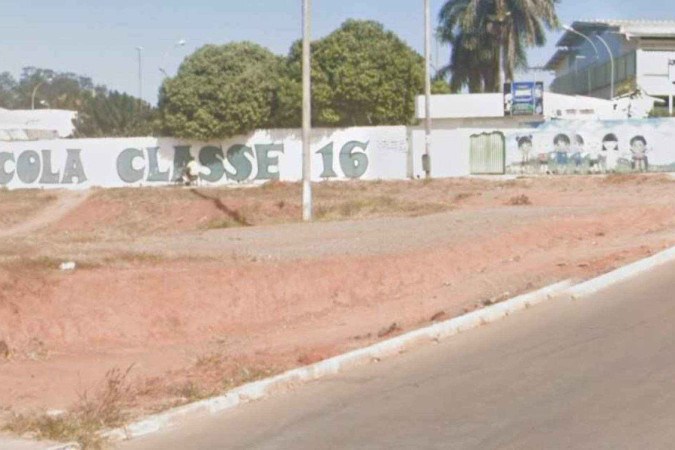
[101, 112]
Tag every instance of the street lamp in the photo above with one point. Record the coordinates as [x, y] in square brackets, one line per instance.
[595, 49]
[576, 70]
[140, 73]
[611, 60]
[35, 89]
[179, 43]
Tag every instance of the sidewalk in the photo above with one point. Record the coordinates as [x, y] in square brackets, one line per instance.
[12, 443]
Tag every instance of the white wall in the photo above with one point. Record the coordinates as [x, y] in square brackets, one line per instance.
[449, 153]
[453, 106]
[367, 153]
[60, 121]
[653, 72]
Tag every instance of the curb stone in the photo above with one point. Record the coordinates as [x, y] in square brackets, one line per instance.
[621, 274]
[260, 389]
[434, 333]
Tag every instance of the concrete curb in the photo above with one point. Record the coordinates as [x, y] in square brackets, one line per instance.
[434, 333]
[616, 276]
[260, 389]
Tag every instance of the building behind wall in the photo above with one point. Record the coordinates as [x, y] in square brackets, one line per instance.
[641, 52]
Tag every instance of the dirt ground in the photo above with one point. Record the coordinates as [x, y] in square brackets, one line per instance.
[201, 289]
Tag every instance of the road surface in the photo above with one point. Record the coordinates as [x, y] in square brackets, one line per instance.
[597, 373]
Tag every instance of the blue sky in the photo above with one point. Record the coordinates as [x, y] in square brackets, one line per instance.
[98, 38]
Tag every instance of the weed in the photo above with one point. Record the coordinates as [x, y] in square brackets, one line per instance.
[393, 328]
[84, 421]
[191, 392]
[41, 263]
[519, 200]
[463, 196]
[222, 223]
[245, 375]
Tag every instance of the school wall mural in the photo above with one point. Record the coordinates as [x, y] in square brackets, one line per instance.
[586, 147]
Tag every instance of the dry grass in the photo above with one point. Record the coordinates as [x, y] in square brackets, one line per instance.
[637, 178]
[85, 420]
[519, 200]
[18, 205]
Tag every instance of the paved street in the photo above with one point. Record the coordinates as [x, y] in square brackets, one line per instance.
[597, 373]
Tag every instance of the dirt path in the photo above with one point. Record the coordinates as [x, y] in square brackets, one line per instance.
[67, 201]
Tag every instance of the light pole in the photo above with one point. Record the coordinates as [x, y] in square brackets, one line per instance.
[427, 89]
[180, 43]
[597, 55]
[306, 111]
[611, 61]
[140, 73]
[576, 70]
[35, 89]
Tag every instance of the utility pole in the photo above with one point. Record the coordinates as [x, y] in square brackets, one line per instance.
[140, 74]
[427, 89]
[306, 111]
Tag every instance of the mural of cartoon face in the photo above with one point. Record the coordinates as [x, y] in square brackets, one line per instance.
[562, 143]
[610, 142]
[525, 144]
[579, 141]
[638, 145]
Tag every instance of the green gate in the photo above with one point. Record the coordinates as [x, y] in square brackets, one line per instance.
[488, 154]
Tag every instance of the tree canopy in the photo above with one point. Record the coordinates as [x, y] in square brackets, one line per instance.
[362, 74]
[100, 112]
[476, 28]
[221, 91]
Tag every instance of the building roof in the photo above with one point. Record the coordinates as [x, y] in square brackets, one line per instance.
[36, 124]
[628, 28]
[559, 55]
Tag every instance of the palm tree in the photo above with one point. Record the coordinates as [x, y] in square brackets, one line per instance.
[483, 32]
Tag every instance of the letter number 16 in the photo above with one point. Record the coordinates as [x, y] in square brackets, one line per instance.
[353, 160]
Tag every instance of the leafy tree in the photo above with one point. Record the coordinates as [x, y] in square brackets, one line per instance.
[476, 29]
[8, 91]
[221, 91]
[439, 87]
[115, 114]
[100, 112]
[361, 75]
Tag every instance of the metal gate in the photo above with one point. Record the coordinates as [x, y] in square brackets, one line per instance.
[487, 154]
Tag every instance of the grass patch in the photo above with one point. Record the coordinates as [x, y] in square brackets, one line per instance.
[519, 200]
[375, 206]
[40, 263]
[223, 223]
[88, 417]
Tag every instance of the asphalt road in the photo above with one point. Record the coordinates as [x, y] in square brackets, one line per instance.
[597, 373]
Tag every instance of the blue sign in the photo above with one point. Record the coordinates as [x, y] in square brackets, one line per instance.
[524, 98]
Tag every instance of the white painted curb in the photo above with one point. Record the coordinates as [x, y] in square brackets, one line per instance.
[616, 276]
[376, 352]
[436, 332]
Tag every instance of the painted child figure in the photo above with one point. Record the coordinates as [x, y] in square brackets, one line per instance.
[525, 147]
[638, 149]
[578, 153]
[609, 155]
[561, 154]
